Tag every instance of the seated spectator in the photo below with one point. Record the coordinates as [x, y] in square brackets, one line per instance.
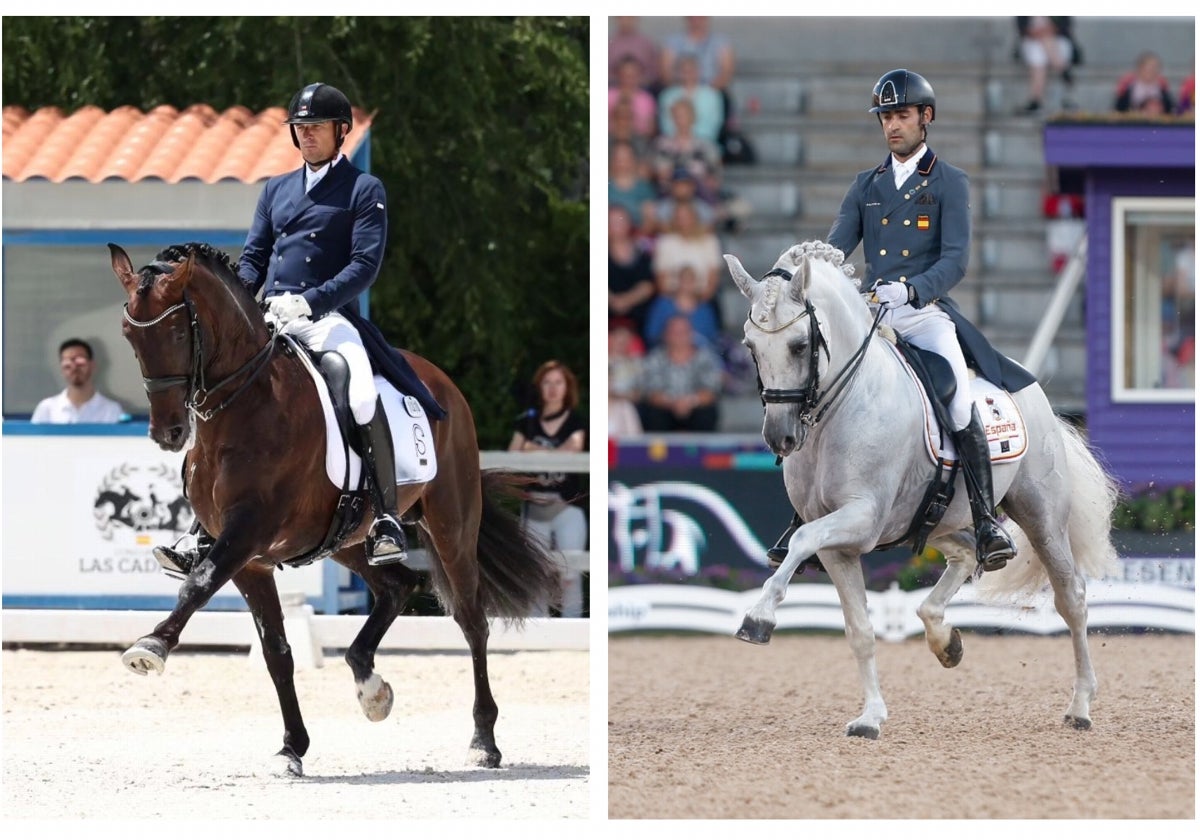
[79, 402]
[684, 149]
[686, 244]
[713, 52]
[553, 425]
[625, 354]
[685, 301]
[1046, 44]
[626, 188]
[620, 130]
[1145, 89]
[629, 42]
[1187, 96]
[629, 87]
[680, 383]
[706, 102]
[683, 191]
[630, 271]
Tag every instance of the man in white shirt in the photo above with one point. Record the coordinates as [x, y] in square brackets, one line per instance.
[79, 402]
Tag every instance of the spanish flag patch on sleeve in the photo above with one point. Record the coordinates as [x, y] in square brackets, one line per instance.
[922, 223]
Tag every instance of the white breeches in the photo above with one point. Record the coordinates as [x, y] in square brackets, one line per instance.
[931, 329]
[334, 332]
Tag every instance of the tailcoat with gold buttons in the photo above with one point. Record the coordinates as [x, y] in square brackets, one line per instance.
[920, 234]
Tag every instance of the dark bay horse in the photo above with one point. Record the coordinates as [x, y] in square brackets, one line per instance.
[255, 475]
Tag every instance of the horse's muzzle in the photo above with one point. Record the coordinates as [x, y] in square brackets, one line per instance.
[782, 430]
[170, 437]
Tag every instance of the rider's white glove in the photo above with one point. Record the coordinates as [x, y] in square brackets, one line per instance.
[272, 321]
[891, 294]
[287, 308]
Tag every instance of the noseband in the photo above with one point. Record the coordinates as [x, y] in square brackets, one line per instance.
[198, 394]
[810, 397]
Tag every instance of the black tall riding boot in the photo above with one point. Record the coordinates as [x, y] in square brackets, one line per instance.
[178, 564]
[385, 540]
[777, 553]
[993, 547]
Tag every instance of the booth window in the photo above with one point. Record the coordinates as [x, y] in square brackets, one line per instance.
[1154, 299]
[61, 290]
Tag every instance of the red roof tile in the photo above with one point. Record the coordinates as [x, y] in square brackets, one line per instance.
[166, 144]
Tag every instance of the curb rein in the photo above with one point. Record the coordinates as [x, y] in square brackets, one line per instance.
[809, 397]
[199, 395]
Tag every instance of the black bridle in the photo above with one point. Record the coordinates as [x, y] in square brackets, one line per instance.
[195, 381]
[813, 402]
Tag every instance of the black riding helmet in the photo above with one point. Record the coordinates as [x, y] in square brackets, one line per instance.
[899, 88]
[318, 103]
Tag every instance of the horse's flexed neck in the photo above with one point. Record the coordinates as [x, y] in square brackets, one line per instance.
[802, 325]
[193, 332]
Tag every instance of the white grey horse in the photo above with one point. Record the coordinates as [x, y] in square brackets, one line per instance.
[855, 471]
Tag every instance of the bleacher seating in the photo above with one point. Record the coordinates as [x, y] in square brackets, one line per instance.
[801, 92]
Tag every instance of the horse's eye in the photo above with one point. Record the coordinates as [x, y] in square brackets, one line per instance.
[797, 347]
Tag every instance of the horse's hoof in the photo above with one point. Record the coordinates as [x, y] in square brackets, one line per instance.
[862, 730]
[482, 756]
[1077, 722]
[375, 697]
[147, 654]
[755, 631]
[287, 763]
[953, 653]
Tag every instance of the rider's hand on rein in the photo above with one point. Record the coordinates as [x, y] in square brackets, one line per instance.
[288, 307]
[891, 294]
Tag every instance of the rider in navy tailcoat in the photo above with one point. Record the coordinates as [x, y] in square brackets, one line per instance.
[920, 234]
[326, 245]
[315, 244]
[912, 215]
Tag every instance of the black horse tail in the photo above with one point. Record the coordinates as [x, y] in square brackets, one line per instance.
[518, 578]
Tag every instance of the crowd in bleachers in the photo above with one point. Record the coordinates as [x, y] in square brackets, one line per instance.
[670, 119]
[1047, 46]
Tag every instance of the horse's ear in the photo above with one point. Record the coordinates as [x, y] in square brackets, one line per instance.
[123, 268]
[801, 278]
[174, 283]
[741, 277]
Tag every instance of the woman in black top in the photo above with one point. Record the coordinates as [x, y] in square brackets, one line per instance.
[554, 425]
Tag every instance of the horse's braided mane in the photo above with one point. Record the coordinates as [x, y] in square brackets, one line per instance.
[824, 251]
[214, 258]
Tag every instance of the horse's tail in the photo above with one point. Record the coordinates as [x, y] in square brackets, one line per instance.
[1094, 494]
[518, 577]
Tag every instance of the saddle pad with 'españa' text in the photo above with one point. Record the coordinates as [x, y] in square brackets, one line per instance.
[1002, 421]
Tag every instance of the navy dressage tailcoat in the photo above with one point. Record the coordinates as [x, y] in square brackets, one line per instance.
[921, 234]
[326, 245]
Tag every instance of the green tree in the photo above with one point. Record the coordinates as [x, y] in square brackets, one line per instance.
[479, 133]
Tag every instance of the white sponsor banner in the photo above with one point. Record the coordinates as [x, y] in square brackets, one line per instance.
[893, 613]
[81, 515]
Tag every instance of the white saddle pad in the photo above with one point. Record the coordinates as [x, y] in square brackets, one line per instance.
[412, 438]
[1008, 439]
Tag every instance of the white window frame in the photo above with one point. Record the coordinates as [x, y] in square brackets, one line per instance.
[1121, 208]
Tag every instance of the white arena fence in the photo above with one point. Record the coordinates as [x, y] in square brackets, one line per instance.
[1116, 605]
[95, 581]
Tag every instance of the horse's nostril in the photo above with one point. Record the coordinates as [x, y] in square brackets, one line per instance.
[175, 434]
